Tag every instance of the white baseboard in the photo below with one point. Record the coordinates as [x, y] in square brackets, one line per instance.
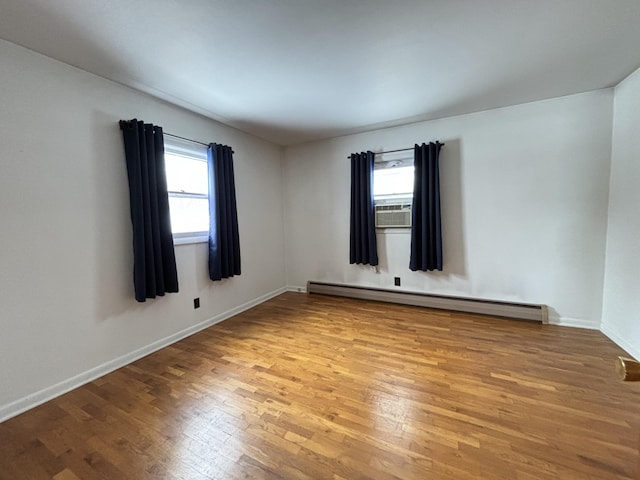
[619, 340]
[293, 288]
[574, 322]
[33, 400]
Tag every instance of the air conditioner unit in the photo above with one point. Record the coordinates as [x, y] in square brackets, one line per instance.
[393, 215]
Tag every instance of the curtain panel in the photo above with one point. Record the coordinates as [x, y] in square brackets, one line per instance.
[363, 247]
[426, 231]
[224, 238]
[154, 262]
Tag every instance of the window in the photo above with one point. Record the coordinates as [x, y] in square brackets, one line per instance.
[392, 183]
[188, 186]
[393, 190]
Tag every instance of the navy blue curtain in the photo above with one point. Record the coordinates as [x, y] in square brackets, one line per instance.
[154, 261]
[224, 239]
[363, 248]
[426, 232]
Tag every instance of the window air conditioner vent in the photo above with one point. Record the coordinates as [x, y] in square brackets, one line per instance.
[393, 216]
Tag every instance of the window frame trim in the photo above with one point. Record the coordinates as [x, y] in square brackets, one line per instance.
[389, 161]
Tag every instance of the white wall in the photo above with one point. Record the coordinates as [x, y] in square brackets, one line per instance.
[524, 205]
[621, 307]
[67, 311]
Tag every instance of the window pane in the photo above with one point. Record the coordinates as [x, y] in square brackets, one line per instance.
[393, 181]
[186, 174]
[189, 214]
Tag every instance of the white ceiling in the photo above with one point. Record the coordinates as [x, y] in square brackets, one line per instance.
[296, 70]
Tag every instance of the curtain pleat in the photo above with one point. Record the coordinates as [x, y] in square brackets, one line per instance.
[224, 238]
[363, 247]
[426, 231]
[154, 263]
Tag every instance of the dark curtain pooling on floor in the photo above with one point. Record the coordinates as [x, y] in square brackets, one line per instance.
[426, 234]
[224, 239]
[154, 262]
[363, 248]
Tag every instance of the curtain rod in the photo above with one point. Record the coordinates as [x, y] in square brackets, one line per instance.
[124, 123]
[188, 139]
[399, 150]
[184, 138]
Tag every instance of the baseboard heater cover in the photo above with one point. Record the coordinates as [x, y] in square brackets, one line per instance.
[520, 311]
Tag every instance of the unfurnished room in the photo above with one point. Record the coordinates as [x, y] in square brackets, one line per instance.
[294, 239]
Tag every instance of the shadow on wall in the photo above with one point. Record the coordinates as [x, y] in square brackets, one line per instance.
[451, 202]
[394, 250]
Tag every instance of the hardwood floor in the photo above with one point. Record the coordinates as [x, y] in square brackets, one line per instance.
[330, 388]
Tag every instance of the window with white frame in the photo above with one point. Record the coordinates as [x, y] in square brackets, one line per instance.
[393, 189]
[188, 186]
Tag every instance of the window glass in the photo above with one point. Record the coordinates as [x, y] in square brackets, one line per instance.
[186, 174]
[188, 186]
[189, 215]
[393, 182]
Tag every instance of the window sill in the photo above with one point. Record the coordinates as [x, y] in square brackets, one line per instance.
[190, 239]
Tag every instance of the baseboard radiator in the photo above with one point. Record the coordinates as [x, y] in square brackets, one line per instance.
[520, 311]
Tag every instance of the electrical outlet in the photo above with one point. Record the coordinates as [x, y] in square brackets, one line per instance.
[396, 281]
[196, 303]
